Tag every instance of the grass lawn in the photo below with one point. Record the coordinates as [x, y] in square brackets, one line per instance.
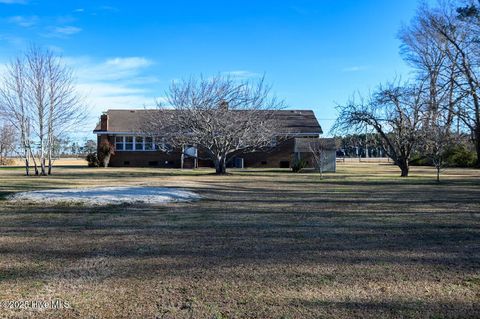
[260, 244]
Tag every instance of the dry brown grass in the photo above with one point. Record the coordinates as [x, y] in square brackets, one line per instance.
[261, 244]
[58, 162]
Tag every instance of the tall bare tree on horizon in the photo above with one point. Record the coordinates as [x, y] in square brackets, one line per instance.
[38, 97]
[458, 25]
[7, 141]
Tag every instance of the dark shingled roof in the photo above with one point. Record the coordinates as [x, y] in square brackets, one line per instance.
[292, 121]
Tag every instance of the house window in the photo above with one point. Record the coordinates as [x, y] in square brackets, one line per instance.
[128, 143]
[134, 143]
[139, 143]
[160, 145]
[119, 143]
[148, 143]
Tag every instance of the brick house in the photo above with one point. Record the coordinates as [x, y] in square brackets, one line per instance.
[121, 127]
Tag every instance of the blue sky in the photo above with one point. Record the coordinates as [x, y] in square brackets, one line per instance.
[125, 53]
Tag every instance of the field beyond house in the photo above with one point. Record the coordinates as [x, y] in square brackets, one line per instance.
[260, 244]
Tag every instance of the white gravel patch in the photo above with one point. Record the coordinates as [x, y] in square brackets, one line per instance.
[108, 195]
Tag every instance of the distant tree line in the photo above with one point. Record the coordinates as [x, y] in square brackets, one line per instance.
[62, 147]
[360, 145]
[439, 108]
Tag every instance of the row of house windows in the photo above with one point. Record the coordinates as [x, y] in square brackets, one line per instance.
[137, 143]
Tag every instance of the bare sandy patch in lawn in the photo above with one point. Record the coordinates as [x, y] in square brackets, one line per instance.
[108, 195]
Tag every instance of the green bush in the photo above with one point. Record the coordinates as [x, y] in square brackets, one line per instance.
[461, 156]
[92, 160]
[457, 156]
[420, 160]
[298, 165]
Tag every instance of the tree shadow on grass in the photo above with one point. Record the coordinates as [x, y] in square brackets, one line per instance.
[396, 309]
[253, 233]
[196, 232]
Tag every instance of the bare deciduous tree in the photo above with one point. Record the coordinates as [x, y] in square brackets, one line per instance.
[90, 146]
[429, 54]
[14, 107]
[395, 113]
[438, 139]
[7, 141]
[65, 106]
[39, 99]
[319, 149]
[459, 28]
[219, 116]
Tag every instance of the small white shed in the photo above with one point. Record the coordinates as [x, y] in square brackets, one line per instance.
[317, 151]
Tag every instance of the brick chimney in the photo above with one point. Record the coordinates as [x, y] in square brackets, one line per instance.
[104, 122]
[223, 105]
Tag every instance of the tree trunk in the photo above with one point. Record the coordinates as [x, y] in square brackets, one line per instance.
[50, 159]
[43, 166]
[220, 165]
[35, 166]
[404, 168]
[27, 167]
[27, 162]
[478, 154]
[438, 174]
[42, 150]
[182, 157]
[106, 160]
[477, 146]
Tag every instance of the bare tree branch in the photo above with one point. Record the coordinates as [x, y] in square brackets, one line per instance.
[220, 116]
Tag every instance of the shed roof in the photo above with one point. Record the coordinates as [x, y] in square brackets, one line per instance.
[305, 145]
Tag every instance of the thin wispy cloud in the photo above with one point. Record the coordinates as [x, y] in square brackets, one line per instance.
[55, 49]
[112, 69]
[242, 74]
[61, 31]
[23, 21]
[113, 83]
[65, 30]
[13, 1]
[356, 68]
[101, 91]
[129, 63]
[15, 41]
[109, 8]
[64, 20]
